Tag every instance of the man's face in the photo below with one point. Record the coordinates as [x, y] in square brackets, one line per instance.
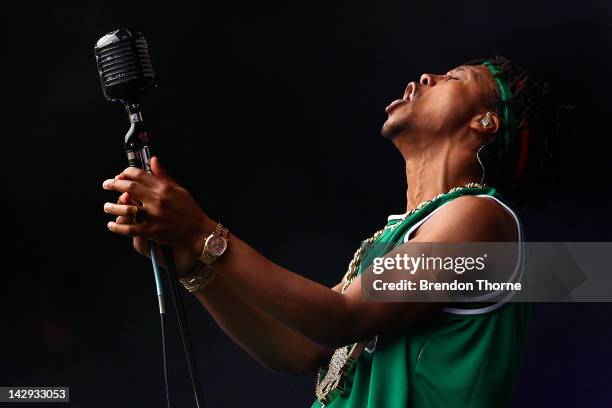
[440, 103]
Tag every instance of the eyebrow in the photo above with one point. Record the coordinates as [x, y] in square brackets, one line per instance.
[473, 72]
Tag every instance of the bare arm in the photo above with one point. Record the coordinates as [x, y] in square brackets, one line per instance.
[330, 318]
[267, 340]
[313, 310]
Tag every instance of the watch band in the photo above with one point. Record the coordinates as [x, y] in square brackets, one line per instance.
[203, 272]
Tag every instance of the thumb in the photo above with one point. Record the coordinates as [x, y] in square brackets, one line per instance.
[158, 170]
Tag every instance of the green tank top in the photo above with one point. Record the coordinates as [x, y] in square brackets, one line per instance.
[465, 356]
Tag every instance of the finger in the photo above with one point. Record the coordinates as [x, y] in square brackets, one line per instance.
[125, 198]
[129, 230]
[134, 188]
[136, 174]
[158, 170]
[120, 209]
[141, 245]
[124, 220]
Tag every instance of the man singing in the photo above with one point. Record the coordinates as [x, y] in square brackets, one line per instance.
[482, 132]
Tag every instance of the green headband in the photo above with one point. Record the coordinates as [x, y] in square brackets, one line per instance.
[506, 99]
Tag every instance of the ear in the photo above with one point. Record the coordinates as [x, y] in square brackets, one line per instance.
[485, 124]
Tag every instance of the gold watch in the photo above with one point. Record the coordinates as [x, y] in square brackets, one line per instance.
[215, 245]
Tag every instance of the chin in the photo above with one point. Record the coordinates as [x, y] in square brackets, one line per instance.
[392, 128]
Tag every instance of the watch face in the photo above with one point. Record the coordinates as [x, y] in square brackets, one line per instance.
[216, 245]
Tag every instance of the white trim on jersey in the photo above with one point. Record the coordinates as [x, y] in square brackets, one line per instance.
[517, 270]
[396, 217]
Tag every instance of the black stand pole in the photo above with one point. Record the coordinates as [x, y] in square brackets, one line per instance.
[139, 155]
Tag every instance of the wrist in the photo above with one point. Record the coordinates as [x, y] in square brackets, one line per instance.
[198, 278]
[204, 228]
[210, 245]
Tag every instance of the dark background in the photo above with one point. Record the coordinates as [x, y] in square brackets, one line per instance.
[271, 116]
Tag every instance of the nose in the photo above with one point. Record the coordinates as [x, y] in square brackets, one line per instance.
[429, 79]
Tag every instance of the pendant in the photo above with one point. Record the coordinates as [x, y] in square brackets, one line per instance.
[333, 381]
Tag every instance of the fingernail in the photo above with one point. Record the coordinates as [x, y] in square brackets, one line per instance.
[110, 225]
[107, 206]
[107, 183]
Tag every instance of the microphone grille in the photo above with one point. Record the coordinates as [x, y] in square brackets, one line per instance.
[124, 64]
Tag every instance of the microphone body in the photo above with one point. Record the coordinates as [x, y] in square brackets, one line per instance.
[136, 143]
[124, 65]
[126, 71]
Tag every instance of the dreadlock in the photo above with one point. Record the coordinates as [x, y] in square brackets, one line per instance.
[536, 115]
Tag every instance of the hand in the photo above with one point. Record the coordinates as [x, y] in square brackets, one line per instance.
[184, 258]
[171, 215]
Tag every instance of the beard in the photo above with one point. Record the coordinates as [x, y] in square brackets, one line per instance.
[393, 128]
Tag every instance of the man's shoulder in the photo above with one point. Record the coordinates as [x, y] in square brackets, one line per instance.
[471, 218]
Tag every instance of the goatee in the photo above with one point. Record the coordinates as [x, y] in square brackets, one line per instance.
[391, 129]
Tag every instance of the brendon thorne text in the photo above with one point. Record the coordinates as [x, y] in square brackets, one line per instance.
[454, 286]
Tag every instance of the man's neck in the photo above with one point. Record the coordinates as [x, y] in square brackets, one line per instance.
[434, 170]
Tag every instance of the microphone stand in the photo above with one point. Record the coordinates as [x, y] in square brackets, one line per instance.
[139, 155]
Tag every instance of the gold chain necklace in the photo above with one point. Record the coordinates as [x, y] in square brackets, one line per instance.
[333, 382]
[351, 273]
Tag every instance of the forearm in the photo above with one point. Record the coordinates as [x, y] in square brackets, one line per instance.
[318, 313]
[315, 311]
[267, 340]
[175, 219]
